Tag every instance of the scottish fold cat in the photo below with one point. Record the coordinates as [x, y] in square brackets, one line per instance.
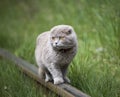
[54, 51]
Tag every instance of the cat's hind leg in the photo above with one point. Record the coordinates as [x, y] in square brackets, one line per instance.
[48, 76]
[41, 73]
[67, 80]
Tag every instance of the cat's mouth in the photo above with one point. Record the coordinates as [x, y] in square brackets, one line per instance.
[60, 47]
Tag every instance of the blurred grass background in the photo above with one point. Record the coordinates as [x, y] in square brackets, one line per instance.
[96, 68]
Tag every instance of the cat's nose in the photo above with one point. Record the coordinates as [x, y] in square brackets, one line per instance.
[56, 43]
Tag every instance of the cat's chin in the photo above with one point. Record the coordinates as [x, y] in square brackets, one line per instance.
[62, 47]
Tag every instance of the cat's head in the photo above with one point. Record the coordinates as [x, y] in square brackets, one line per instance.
[63, 37]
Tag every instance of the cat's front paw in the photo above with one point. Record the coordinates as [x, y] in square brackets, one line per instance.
[58, 80]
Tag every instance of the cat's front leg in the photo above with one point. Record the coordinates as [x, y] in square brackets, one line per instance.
[64, 72]
[56, 73]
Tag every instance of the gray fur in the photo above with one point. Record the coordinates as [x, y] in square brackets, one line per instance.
[54, 51]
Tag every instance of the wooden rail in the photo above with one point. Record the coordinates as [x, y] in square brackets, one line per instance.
[64, 90]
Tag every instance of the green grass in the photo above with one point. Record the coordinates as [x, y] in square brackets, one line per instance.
[96, 68]
[16, 84]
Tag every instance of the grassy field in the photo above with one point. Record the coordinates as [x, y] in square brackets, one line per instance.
[96, 68]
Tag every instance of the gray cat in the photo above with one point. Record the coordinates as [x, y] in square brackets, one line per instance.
[54, 51]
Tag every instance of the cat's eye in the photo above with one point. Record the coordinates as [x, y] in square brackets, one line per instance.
[69, 32]
[61, 38]
[53, 38]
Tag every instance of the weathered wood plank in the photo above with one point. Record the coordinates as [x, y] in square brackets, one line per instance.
[64, 90]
